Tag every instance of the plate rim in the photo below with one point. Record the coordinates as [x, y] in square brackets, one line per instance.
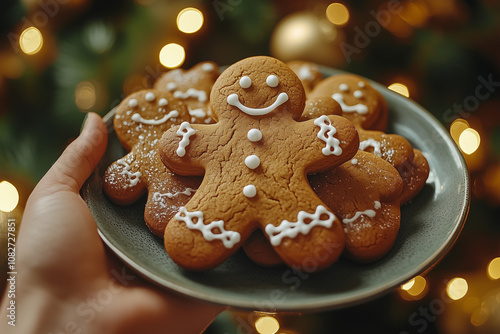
[327, 304]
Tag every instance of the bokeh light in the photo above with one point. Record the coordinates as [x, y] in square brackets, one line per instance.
[337, 13]
[457, 288]
[414, 289]
[457, 127]
[494, 269]
[471, 304]
[9, 196]
[267, 325]
[399, 88]
[189, 20]
[31, 41]
[172, 55]
[85, 95]
[469, 141]
[479, 316]
[415, 14]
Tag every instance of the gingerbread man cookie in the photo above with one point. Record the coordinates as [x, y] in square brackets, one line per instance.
[363, 105]
[367, 201]
[367, 109]
[364, 193]
[192, 87]
[255, 161]
[139, 122]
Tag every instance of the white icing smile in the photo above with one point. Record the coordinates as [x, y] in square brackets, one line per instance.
[359, 108]
[138, 118]
[234, 101]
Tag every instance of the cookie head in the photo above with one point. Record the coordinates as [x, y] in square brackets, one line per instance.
[146, 114]
[258, 87]
[361, 103]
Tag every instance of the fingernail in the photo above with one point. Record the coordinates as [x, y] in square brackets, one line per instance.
[84, 122]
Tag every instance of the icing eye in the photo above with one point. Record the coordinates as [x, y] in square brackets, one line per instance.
[149, 96]
[162, 102]
[272, 81]
[171, 86]
[132, 103]
[344, 87]
[361, 84]
[207, 67]
[358, 94]
[245, 82]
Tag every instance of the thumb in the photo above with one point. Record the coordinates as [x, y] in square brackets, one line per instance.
[79, 159]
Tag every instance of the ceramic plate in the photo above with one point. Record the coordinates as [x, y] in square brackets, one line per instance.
[430, 224]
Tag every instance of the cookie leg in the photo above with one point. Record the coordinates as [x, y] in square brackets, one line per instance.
[199, 241]
[167, 193]
[309, 240]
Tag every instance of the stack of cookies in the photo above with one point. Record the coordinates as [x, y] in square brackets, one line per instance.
[266, 156]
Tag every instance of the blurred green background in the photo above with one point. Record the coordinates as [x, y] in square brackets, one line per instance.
[60, 59]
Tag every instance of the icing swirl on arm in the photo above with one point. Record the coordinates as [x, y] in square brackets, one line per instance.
[326, 132]
[186, 131]
[371, 143]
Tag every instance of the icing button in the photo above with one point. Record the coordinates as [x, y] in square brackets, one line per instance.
[250, 191]
[252, 161]
[254, 135]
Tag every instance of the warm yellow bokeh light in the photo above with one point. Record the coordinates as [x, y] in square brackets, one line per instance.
[31, 40]
[457, 127]
[470, 304]
[494, 269]
[415, 287]
[172, 55]
[337, 13]
[407, 286]
[479, 316]
[267, 325]
[85, 95]
[399, 88]
[415, 14]
[189, 20]
[469, 141]
[9, 197]
[457, 288]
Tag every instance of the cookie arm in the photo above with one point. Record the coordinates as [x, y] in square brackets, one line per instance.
[330, 141]
[180, 151]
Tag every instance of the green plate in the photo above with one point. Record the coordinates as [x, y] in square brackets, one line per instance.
[430, 224]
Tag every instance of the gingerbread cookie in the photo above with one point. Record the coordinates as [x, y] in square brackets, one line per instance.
[192, 87]
[367, 201]
[307, 72]
[255, 161]
[364, 194]
[139, 122]
[362, 104]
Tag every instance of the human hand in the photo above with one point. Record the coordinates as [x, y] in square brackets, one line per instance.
[66, 281]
